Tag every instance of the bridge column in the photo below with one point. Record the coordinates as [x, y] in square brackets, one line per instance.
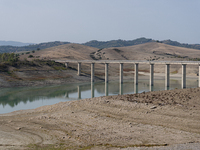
[199, 75]
[121, 73]
[151, 74]
[136, 74]
[79, 69]
[183, 76]
[92, 72]
[106, 72]
[167, 67]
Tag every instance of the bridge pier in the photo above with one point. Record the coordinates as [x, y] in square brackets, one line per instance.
[106, 72]
[167, 73]
[79, 69]
[136, 74]
[121, 73]
[151, 74]
[92, 72]
[183, 76]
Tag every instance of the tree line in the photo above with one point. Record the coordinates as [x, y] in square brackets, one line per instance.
[9, 57]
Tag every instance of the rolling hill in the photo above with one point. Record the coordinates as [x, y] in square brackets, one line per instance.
[96, 44]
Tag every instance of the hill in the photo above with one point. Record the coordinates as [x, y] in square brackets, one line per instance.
[7, 49]
[151, 51]
[13, 43]
[96, 44]
[117, 43]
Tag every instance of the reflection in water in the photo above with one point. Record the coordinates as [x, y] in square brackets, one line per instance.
[79, 91]
[166, 87]
[151, 88]
[121, 88]
[92, 89]
[136, 88]
[31, 97]
[106, 88]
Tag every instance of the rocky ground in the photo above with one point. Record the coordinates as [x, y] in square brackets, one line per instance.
[152, 120]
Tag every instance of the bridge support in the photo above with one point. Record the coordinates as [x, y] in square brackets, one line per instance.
[183, 76]
[121, 73]
[106, 72]
[79, 69]
[167, 73]
[92, 72]
[151, 74]
[136, 74]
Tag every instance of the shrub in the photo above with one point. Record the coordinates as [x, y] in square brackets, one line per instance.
[30, 56]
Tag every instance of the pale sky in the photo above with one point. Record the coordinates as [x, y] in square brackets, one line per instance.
[79, 21]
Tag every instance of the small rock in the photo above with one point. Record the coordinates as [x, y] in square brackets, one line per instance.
[19, 128]
[153, 107]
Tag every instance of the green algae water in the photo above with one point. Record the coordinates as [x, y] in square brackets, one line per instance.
[12, 99]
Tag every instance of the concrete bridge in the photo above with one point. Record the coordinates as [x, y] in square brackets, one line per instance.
[136, 64]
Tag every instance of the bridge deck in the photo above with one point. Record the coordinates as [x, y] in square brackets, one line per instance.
[129, 61]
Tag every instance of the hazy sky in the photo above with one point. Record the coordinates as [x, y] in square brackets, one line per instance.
[80, 21]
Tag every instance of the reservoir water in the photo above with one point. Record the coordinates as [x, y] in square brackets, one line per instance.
[12, 99]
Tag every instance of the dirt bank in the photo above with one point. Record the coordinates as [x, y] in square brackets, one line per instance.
[161, 118]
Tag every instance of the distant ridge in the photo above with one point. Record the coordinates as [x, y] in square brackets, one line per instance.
[96, 44]
[117, 43]
[13, 43]
[7, 49]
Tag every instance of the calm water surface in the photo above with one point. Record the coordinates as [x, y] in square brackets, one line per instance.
[12, 99]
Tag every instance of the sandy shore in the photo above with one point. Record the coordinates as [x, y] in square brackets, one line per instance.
[142, 121]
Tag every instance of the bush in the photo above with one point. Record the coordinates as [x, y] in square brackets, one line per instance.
[30, 56]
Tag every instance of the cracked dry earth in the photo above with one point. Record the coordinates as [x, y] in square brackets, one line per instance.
[146, 120]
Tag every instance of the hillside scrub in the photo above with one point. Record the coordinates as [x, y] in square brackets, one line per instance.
[11, 61]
